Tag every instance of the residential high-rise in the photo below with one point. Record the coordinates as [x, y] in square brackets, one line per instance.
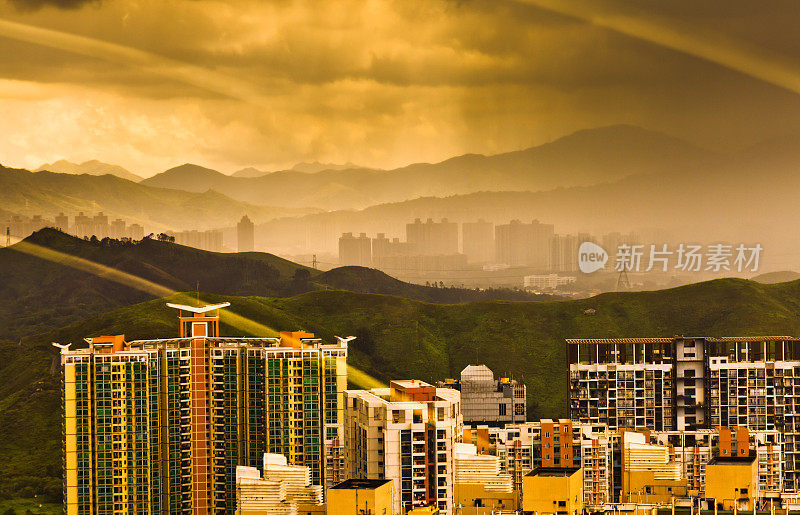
[433, 238]
[524, 245]
[245, 235]
[564, 252]
[477, 241]
[210, 240]
[686, 383]
[100, 225]
[406, 433]
[486, 400]
[599, 451]
[117, 229]
[62, 222]
[355, 251]
[159, 426]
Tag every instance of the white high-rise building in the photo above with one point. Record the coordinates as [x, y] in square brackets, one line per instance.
[406, 433]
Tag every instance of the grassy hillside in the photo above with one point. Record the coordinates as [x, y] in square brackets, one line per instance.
[397, 338]
[38, 294]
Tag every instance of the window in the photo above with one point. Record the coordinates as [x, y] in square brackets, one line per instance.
[562, 503]
[744, 491]
[502, 410]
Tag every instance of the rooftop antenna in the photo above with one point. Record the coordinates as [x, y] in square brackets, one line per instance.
[314, 261]
[8, 236]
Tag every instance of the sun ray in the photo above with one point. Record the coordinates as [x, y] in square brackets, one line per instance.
[227, 316]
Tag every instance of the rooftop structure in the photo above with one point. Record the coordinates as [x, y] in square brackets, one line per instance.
[485, 400]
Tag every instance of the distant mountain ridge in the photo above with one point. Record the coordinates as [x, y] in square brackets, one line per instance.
[583, 158]
[92, 167]
[47, 193]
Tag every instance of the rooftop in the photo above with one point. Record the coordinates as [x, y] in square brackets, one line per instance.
[607, 341]
[553, 471]
[733, 460]
[361, 484]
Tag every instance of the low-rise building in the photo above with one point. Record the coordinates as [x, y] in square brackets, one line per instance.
[480, 487]
[553, 491]
[374, 496]
[733, 481]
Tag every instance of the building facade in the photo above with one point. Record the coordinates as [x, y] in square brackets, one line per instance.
[159, 426]
[245, 235]
[686, 383]
[406, 433]
[486, 400]
[355, 250]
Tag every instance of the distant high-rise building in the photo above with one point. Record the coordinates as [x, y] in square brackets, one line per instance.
[135, 232]
[210, 240]
[406, 433]
[355, 251]
[524, 245]
[384, 249]
[100, 225]
[245, 232]
[117, 229]
[83, 225]
[477, 240]
[564, 252]
[160, 426]
[62, 222]
[433, 238]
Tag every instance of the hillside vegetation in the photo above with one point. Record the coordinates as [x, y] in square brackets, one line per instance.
[397, 338]
[39, 294]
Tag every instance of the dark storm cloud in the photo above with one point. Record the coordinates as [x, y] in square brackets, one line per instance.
[384, 82]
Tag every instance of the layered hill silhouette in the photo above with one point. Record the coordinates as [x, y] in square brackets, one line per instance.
[41, 290]
[46, 193]
[92, 167]
[584, 158]
[397, 338]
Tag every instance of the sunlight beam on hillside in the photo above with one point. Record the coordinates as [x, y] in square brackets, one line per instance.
[732, 54]
[145, 61]
[244, 324]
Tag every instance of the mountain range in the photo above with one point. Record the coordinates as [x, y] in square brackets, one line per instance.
[46, 193]
[584, 158]
[305, 167]
[93, 167]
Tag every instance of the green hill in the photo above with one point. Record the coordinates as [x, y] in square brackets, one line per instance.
[397, 338]
[39, 294]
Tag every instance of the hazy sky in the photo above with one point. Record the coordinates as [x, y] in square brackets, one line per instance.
[149, 84]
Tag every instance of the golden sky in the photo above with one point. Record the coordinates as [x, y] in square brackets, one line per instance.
[150, 84]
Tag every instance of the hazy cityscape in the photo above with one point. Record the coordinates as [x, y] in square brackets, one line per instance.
[418, 257]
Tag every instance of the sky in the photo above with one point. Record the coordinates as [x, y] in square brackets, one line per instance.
[149, 84]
